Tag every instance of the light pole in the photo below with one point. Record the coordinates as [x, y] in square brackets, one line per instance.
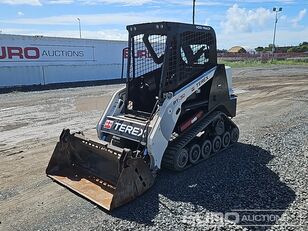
[276, 10]
[194, 6]
[79, 27]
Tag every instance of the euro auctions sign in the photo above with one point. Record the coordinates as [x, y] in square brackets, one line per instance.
[46, 53]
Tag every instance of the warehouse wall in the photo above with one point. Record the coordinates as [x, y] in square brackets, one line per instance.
[33, 60]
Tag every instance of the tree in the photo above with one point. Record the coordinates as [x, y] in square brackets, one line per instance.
[259, 49]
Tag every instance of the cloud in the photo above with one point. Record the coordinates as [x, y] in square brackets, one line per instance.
[295, 21]
[53, 2]
[19, 13]
[249, 40]
[21, 2]
[268, 1]
[242, 20]
[123, 2]
[35, 2]
[198, 3]
[284, 37]
[92, 19]
[107, 34]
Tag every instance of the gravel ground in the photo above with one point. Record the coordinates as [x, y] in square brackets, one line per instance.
[262, 180]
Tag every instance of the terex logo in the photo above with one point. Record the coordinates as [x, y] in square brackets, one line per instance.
[131, 130]
[19, 52]
[108, 124]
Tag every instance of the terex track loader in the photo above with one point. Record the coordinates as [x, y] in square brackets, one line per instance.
[173, 113]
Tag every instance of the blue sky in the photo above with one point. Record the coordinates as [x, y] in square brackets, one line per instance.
[248, 23]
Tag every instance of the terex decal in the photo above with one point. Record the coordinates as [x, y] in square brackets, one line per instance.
[120, 127]
[131, 130]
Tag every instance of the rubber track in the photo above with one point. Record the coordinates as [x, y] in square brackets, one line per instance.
[180, 142]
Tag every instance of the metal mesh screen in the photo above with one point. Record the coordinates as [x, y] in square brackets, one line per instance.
[144, 62]
[188, 56]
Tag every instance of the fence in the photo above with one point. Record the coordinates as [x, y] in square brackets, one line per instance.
[262, 56]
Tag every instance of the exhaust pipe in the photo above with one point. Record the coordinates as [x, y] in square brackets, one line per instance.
[106, 175]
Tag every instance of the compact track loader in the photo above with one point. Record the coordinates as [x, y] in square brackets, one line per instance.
[174, 112]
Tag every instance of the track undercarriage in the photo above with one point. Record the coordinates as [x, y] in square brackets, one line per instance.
[210, 135]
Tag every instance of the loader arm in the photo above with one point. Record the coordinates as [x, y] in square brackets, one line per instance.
[168, 115]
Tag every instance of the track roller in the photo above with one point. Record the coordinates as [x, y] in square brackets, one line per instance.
[181, 159]
[194, 153]
[216, 144]
[226, 139]
[206, 149]
[220, 127]
[235, 133]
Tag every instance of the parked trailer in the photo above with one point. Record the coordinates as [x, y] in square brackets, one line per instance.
[43, 61]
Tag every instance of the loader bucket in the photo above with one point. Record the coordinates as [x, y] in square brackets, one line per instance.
[109, 177]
